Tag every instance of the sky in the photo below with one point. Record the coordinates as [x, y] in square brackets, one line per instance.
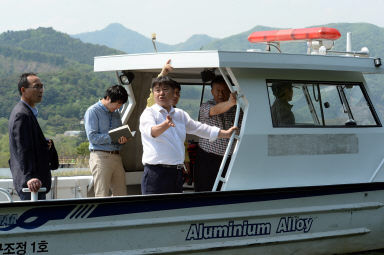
[174, 21]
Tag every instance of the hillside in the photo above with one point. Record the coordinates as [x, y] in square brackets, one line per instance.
[195, 42]
[44, 43]
[17, 60]
[65, 66]
[118, 37]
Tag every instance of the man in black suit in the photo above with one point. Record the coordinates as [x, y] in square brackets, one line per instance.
[29, 149]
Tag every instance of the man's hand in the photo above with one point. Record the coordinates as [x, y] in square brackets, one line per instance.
[49, 142]
[167, 68]
[170, 122]
[34, 184]
[223, 106]
[122, 140]
[162, 127]
[232, 98]
[227, 133]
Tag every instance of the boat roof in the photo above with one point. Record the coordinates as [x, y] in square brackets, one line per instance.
[182, 61]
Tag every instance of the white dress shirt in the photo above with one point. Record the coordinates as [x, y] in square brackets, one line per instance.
[168, 148]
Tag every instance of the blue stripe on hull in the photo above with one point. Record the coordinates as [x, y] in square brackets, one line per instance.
[170, 202]
[45, 211]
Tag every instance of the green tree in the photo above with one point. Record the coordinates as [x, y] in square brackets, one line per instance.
[83, 149]
[4, 151]
[3, 125]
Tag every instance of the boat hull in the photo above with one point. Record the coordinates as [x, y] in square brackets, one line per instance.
[306, 220]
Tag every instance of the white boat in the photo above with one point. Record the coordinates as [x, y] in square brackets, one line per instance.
[315, 186]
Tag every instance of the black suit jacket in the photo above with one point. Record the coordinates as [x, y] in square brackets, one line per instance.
[29, 154]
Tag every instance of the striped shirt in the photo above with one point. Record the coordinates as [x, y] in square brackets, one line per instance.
[223, 121]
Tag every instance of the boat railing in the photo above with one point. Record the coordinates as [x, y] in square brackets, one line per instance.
[34, 195]
[7, 194]
[234, 135]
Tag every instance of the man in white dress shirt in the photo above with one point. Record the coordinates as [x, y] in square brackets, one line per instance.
[163, 131]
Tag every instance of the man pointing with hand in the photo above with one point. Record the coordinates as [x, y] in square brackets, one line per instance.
[163, 130]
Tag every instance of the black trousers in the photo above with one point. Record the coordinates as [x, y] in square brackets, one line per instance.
[159, 180]
[206, 169]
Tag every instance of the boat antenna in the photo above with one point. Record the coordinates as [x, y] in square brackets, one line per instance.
[274, 44]
[154, 41]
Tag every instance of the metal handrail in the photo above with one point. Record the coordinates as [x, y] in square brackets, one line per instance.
[7, 194]
[128, 107]
[377, 170]
[233, 136]
[34, 195]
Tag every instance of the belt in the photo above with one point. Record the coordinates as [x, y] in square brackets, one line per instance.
[110, 152]
[179, 166]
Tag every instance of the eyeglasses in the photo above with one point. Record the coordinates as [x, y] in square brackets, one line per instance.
[37, 87]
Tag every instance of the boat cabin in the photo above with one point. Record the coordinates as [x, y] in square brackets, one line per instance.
[332, 132]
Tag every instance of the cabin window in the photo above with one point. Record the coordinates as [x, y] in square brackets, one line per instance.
[190, 97]
[320, 104]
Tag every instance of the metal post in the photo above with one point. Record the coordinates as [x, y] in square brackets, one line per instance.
[349, 43]
[154, 41]
[54, 188]
[34, 195]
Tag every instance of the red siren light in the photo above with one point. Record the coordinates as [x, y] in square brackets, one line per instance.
[313, 33]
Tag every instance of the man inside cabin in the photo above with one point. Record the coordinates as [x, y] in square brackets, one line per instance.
[32, 156]
[282, 114]
[163, 131]
[219, 111]
[105, 161]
